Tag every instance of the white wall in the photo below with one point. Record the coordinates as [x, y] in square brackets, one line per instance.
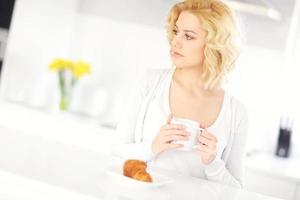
[3, 38]
[119, 48]
[118, 52]
[255, 82]
[294, 64]
[39, 32]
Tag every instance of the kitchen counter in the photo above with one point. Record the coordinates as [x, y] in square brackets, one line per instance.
[180, 187]
[105, 186]
[71, 156]
[13, 187]
[60, 126]
[265, 171]
[269, 164]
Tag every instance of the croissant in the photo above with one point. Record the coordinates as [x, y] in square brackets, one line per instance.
[142, 176]
[136, 169]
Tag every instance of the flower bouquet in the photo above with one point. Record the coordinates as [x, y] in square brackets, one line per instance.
[69, 73]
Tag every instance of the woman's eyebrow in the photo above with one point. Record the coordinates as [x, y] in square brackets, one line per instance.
[190, 31]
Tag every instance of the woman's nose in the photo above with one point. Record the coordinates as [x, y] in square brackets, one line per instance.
[175, 42]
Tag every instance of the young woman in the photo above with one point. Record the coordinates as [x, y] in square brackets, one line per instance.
[202, 37]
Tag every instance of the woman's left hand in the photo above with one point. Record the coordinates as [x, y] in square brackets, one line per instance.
[207, 146]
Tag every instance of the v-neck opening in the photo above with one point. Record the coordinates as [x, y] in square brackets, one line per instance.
[168, 105]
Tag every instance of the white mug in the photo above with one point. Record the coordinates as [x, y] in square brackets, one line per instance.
[193, 128]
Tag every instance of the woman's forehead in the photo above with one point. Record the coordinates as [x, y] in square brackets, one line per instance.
[188, 21]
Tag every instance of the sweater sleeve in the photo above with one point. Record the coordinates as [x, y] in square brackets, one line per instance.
[231, 172]
[124, 145]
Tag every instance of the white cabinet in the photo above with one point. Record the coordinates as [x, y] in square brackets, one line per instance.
[297, 195]
[39, 32]
[273, 176]
[271, 185]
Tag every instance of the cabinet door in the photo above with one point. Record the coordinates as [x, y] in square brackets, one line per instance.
[297, 196]
[270, 185]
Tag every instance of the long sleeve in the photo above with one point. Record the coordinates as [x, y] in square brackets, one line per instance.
[125, 145]
[231, 172]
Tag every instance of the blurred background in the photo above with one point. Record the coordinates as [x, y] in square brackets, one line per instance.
[121, 39]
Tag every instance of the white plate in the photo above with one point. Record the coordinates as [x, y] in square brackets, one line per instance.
[116, 174]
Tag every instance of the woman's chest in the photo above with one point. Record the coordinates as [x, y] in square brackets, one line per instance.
[204, 110]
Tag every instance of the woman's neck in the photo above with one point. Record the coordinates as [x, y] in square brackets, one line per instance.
[191, 80]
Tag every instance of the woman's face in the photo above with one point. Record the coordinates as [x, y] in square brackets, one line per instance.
[187, 45]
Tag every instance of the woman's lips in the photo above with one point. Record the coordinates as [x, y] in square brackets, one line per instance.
[176, 54]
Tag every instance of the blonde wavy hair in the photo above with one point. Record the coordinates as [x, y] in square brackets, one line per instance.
[221, 49]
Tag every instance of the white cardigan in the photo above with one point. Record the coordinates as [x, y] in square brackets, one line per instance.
[228, 170]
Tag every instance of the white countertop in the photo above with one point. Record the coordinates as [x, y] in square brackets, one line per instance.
[72, 153]
[13, 187]
[61, 126]
[180, 187]
[80, 131]
[269, 164]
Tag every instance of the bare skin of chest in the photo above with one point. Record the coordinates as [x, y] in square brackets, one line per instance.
[204, 109]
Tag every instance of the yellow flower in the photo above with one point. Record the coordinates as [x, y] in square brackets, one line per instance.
[60, 64]
[80, 68]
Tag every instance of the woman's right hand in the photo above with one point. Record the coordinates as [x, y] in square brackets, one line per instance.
[167, 134]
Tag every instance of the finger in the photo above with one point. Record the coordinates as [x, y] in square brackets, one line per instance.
[176, 132]
[209, 135]
[169, 119]
[203, 155]
[173, 146]
[173, 126]
[206, 141]
[204, 149]
[211, 147]
[171, 138]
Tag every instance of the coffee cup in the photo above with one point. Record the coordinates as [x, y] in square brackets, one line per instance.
[193, 128]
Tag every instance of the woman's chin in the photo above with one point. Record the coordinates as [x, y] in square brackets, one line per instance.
[180, 65]
[178, 62]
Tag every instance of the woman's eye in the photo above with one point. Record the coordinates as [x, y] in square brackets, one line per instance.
[188, 37]
[175, 32]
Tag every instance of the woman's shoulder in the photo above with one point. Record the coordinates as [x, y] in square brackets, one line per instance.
[237, 106]
[153, 74]
[150, 77]
[239, 117]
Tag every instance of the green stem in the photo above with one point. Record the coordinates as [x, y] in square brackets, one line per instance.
[61, 76]
[64, 97]
[64, 102]
[73, 81]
